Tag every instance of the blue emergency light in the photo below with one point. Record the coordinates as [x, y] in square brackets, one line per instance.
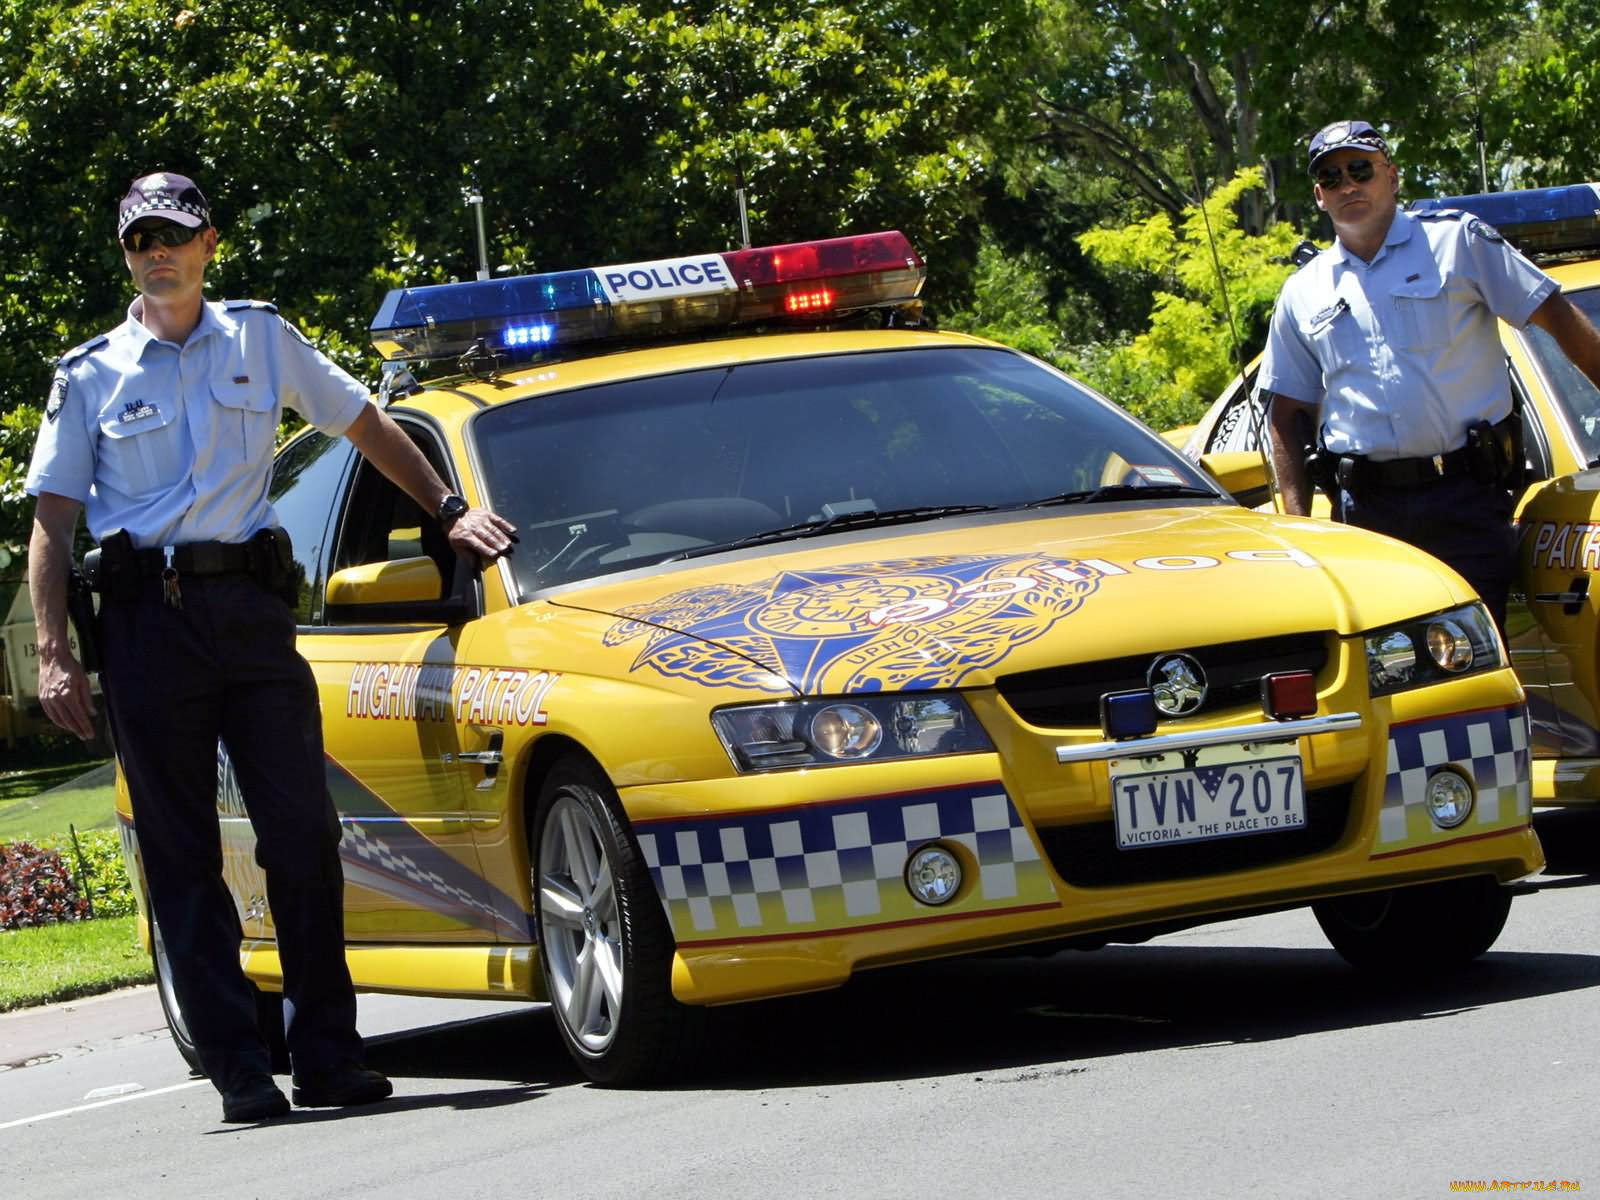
[1539, 221]
[529, 315]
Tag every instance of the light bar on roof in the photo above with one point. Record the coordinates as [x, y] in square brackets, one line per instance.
[1535, 221]
[532, 314]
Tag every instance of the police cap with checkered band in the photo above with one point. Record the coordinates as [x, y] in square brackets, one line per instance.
[1344, 135]
[163, 194]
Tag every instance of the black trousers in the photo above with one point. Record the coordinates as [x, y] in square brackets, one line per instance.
[1462, 522]
[224, 665]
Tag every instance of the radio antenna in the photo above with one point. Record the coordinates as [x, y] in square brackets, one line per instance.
[1256, 417]
[474, 198]
[728, 87]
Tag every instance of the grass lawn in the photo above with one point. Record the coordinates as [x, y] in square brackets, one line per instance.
[42, 797]
[44, 801]
[78, 958]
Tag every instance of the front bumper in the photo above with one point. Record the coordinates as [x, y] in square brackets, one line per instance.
[790, 881]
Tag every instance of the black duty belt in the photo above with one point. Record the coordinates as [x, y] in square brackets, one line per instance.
[199, 558]
[1410, 472]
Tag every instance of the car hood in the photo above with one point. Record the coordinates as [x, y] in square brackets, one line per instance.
[962, 601]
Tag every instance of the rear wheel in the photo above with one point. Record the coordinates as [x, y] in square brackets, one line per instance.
[1426, 927]
[269, 1011]
[605, 949]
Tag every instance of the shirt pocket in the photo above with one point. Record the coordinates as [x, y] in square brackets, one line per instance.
[1422, 314]
[1335, 338]
[247, 417]
[142, 452]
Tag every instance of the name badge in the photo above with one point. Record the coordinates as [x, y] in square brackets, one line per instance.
[136, 412]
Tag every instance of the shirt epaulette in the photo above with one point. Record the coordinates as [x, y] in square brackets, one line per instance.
[263, 304]
[1473, 223]
[77, 352]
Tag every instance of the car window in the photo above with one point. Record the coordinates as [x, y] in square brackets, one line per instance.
[304, 493]
[381, 523]
[1570, 388]
[603, 479]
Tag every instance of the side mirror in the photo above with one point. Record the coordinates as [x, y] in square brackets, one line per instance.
[1243, 475]
[402, 590]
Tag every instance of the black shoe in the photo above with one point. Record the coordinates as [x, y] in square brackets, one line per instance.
[339, 1087]
[256, 1099]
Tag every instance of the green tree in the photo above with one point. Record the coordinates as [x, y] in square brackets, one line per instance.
[336, 145]
[1215, 288]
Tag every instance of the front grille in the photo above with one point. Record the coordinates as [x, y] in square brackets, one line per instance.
[1087, 855]
[1057, 697]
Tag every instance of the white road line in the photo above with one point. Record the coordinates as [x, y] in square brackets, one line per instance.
[67, 1112]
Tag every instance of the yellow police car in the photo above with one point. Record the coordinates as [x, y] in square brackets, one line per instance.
[1553, 620]
[832, 643]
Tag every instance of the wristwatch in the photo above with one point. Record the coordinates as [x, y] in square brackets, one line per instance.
[450, 508]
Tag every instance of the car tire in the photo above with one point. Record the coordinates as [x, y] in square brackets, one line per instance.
[269, 1012]
[605, 949]
[1422, 928]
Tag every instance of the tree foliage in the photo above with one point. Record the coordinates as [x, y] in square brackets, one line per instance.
[337, 144]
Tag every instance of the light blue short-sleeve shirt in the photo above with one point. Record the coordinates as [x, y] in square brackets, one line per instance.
[1403, 353]
[174, 443]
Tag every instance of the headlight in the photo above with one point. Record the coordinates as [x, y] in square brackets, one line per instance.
[822, 733]
[1430, 649]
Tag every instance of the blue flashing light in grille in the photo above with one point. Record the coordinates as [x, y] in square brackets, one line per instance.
[1128, 714]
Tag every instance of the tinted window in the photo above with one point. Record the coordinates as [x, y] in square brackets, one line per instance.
[1570, 387]
[382, 523]
[613, 477]
[304, 493]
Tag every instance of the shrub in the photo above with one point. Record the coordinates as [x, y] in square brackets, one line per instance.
[36, 888]
[106, 882]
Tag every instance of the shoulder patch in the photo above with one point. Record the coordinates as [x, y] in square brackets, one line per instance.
[1484, 230]
[58, 396]
[294, 331]
[77, 352]
[232, 305]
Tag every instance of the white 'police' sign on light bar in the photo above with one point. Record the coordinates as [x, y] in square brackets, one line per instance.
[666, 278]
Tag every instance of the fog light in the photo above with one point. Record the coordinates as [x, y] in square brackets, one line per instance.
[933, 875]
[1449, 798]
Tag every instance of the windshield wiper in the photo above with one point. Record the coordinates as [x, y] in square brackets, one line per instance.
[861, 519]
[1124, 491]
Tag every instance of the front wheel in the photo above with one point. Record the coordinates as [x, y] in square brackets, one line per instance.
[605, 949]
[1416, 929]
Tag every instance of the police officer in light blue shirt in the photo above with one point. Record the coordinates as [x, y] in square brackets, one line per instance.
[1386, 345]
[163, 431]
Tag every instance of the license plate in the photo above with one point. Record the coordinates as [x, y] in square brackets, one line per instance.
[1198, 802]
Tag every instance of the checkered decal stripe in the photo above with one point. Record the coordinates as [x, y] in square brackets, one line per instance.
[798, 872]
[1490, 746]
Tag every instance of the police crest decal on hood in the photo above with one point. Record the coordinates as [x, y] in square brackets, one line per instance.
[900, 625]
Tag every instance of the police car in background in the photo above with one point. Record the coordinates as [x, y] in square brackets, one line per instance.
[1553, 624]
[833, 642]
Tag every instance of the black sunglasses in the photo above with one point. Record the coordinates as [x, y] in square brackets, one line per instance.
[1360, 170]
[140, 240]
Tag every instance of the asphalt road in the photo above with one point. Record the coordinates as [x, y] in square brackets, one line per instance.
[1243, 1059]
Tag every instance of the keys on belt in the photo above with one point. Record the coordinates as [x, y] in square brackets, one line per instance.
[1410, 472]
[171, 563]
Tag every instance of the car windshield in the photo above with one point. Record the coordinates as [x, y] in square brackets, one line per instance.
[618, 476]
[1569, 387]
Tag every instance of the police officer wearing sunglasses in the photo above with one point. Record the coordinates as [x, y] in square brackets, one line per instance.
[1384, 361]
[163, 431]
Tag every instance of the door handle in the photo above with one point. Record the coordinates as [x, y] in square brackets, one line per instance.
[1571, 601]
[489, 759]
